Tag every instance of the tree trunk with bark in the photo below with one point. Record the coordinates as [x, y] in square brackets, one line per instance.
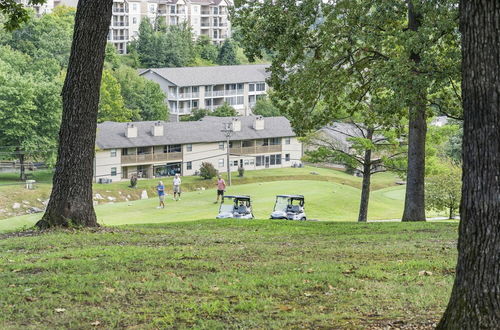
[475, 298]
[414, 209]
[22, 167]
[71, 198]
[365, 187]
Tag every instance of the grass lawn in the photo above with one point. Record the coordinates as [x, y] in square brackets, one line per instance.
[13, 191]
[324, 201]
[229, 274]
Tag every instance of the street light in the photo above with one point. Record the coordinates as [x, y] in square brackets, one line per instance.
[228, 131]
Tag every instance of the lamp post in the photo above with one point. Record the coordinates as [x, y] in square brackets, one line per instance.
[228, 131]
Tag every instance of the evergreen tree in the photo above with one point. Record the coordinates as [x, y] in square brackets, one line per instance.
[228, 53]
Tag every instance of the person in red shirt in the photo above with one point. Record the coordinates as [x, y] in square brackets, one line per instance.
[221, 186]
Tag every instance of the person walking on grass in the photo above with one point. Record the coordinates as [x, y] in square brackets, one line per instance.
[160, 188]
[177, 187]
[221, 186]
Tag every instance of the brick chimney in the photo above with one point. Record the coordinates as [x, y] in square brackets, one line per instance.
[131, 131]
[258, 123]
[157, 129]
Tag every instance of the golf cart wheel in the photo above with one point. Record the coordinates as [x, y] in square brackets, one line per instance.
[303, 219]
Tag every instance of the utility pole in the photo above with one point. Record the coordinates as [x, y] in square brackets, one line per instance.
[228, 131]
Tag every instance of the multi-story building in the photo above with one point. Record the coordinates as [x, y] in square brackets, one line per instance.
[157, 149]
[41, 9]
[206, 17]
[208, 87]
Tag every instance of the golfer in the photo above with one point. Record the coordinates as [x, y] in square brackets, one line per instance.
[221, 186]
[177, 187]
[160, 188]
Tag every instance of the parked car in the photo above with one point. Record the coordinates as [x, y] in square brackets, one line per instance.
[289, 207]
[237, 207]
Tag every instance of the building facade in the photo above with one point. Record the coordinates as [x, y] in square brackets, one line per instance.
[191, 88]
[159, 149]
[41, 9]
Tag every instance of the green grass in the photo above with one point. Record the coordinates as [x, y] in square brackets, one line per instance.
[217, 274]
[324, 201]
[10, 194]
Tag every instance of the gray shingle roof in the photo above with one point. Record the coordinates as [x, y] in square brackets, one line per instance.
[111, 135]
[213, 75]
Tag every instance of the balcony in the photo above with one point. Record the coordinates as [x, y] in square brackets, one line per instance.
[189, 95]
[117, 24]
[214, 93]
[119, 38]
[205, 12]
[255, 150]
[119, 10]
[234, 92]
[204, 24]
[151, 158]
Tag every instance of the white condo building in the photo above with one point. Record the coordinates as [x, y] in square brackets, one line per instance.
[206, 17]
[209, 87]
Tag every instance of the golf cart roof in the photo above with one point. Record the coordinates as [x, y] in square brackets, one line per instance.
[242, 197]
[292, 196]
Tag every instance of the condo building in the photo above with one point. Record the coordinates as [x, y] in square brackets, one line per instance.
[158, 149]
[209, 87]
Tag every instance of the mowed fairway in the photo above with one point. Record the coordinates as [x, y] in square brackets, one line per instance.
[216, 274]
[324, 201]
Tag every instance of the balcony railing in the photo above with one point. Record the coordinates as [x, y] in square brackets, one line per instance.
[151, 158]
[255, 149]
[120, 24]
[234, 92]
[214, 93]
[117, 38]
[188, 95]
[120, 10]
[205, 12]
[204, 24]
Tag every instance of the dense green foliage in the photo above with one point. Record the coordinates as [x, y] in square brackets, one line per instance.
[225, 110]
[228, 53]
[34, 59]
[443, 190]
[264, 107]
[207, 171]
[16, 13]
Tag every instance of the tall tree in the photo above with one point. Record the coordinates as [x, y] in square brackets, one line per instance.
[71, 198]
[475, 298]
[264, 107]
[30, 107]
[206, 49]
[228, 53]
[140, 95]
[111, 104]
[313, 42]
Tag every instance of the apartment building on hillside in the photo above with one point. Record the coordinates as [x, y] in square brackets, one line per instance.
[158, 149]
[190, 88]
[206, 17]
[41, 9]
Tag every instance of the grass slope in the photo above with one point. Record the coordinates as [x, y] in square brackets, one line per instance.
[229, 274]
[324, 200]
[12, 191]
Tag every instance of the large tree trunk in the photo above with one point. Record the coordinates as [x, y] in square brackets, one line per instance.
[71, 199]
[365, 187]
[414, 200]
[475, 298]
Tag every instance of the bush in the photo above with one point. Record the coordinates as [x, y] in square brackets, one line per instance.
[207, 171]
[241, 171]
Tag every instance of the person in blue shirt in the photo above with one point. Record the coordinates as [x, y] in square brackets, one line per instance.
[161, 194]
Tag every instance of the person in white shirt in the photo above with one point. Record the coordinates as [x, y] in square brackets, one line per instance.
[177, 187]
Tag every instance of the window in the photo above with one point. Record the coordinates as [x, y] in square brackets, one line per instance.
[113, 171]
[275, 160]
[240, 86]
[221, 162]
[189, 165]
[247, 143]
[251, 87]
[247, 162]
[259, 161]
[221, 145]
[196, 89]
[134, 7]
[251, 162]
[141, 151]
[113, 153]
[189, 147]
[172, 148]
[152, 8]
[239, 100]
[134, 20]
[287, 140]
[235, 163]
[195, 104]
[260, 87]
[275, 141]
[195, 9]
[287, 157]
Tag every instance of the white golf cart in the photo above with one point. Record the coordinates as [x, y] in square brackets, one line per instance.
[236, 207]
[289, 207]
